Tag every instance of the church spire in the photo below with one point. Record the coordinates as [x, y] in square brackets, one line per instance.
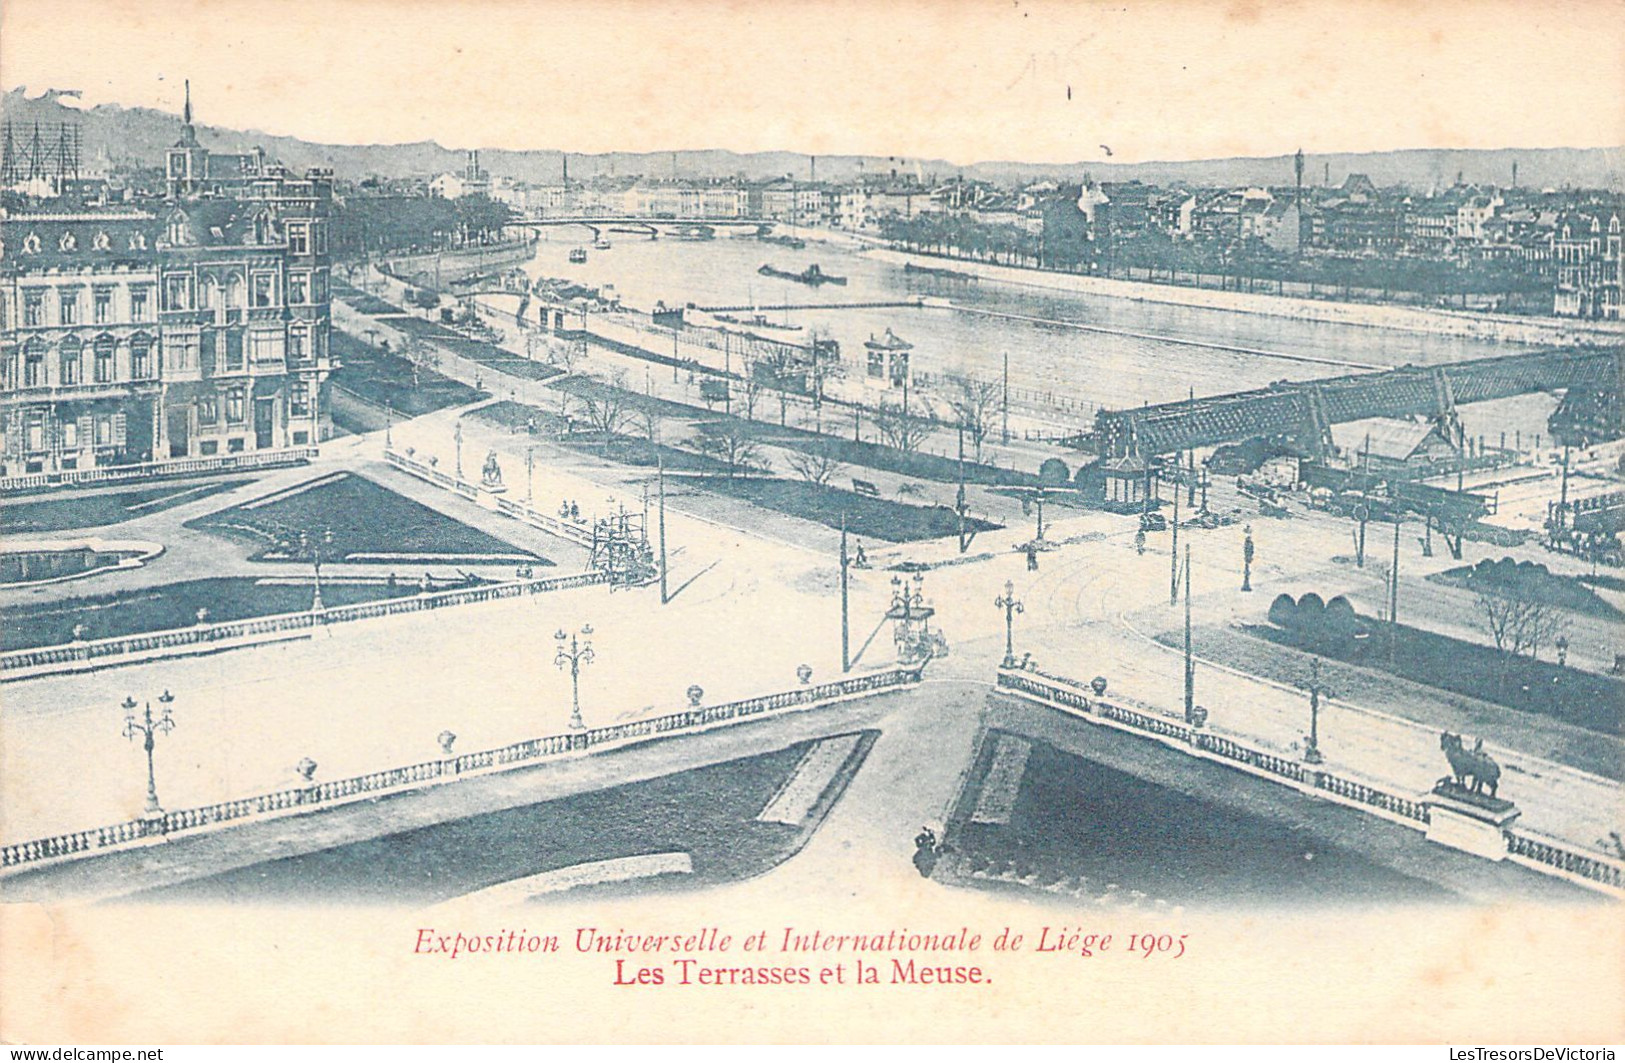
[186, 111]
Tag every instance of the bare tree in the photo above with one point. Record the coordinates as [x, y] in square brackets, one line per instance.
[752, 370]
[535, 343]
[606, 404]
[899, 427]
[974, 402]
[731, 442]
[1519, 623]
[423, 357]
[782, 369]
[819, 463]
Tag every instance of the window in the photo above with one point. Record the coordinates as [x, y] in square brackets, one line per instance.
[319, 237]
[177, 292]
[140, 304]
[140, 356]
[34, 363]
[72, 352]
[102, 306]
[208, 408]
[104, 348]
[298, 288]
[208, 293]
[209, 447]
[234, 291]
[67, 306]
[318, 287]
[299, 399]
[34, 307]
[234, 350]
[296, 343]
[266, 345]
[264, 289]
[298, 238]
[70, 435]
[234, 406]
[104, 431]
[234, 446]
[35, 431]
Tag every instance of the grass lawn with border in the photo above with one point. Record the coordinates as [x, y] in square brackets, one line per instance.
[382, 378]
[475, 350]
[709, 813]
[175, 605]
[30, 517]
[364, 518]
[1083, 825]
[1429, 659]
[874, 518]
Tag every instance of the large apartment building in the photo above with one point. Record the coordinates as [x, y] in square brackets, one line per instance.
[192, 327]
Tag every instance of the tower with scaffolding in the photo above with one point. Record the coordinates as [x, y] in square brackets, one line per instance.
[620, 548]
[40, 159]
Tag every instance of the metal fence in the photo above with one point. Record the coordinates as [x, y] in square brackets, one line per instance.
[78, 843]
[1544, 853]
[268, 459]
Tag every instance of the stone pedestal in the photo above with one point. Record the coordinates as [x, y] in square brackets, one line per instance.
[1467, 821]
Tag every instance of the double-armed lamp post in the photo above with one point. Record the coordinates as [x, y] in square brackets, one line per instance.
[149, 728]
[575, 653]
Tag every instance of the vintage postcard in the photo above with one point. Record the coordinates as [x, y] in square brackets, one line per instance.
[544, 521]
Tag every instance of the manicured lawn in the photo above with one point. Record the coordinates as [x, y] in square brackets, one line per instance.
[1531, 581]
[363, 518]
[384, 378]
[365, 302]
[875, 518]
[709, 813]
[1086, 826]
[475, 350]
[1584, 699]
[27, 517]
[174, 605]
[519, 417]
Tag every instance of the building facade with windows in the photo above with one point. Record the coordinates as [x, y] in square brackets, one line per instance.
[190, 328]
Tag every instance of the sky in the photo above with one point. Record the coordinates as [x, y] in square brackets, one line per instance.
[962, 80]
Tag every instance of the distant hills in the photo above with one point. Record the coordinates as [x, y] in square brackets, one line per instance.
[112, 134]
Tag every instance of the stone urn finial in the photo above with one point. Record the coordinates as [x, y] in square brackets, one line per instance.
[1098, 685]
[695, 693]
[306, 769]
[804, 673]
[446, 739]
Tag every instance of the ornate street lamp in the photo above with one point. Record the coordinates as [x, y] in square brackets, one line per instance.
[578, 654]
[149, 728]
[1007, 602]
[1317, 690]
[1562, 645]
[1247, 561]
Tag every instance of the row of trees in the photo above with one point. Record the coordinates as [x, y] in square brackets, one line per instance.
[382, 224]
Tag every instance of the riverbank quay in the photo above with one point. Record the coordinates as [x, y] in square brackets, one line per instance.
[1482, 326]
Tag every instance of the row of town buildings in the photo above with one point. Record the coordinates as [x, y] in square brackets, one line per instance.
[189, 325]
[1570, 237]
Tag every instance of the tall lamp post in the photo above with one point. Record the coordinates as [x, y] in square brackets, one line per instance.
[1007, 602]
[1317, 690]
[1247, 560]
[149, 729]
[457, 436]
[578, 654]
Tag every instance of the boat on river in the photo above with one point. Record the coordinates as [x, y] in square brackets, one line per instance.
[578, 255]
[811, 275]
[758, 321]
[794, 243]
[601, 244]
[934, 271]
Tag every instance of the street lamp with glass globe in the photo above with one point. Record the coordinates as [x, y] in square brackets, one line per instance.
[149, 728]
[575, 652]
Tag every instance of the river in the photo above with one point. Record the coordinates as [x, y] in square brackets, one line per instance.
[1094, 350]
